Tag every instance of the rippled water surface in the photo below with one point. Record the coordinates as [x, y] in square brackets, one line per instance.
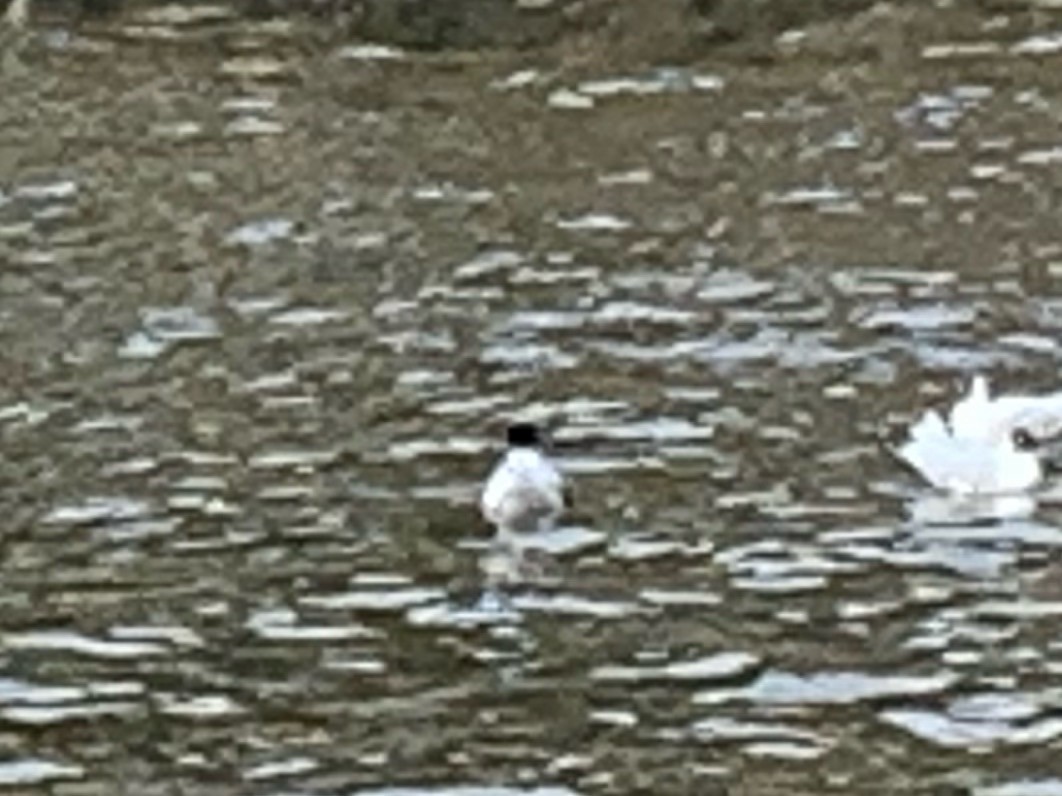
[268, 301]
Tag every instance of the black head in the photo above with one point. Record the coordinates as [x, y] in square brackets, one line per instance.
[523, 435]
[1023, 440]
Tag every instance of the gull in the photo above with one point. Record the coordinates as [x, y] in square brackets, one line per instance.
[525, 492]
[987, 446]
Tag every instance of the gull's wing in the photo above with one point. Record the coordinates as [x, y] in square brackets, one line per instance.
[970, 416]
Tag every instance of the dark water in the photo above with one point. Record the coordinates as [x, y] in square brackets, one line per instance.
[267, 302]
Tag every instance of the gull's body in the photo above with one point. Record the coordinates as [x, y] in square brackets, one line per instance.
[977, 451]
[967, 465]
[524, 493]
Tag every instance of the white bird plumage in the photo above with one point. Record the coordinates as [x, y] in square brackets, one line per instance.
[525, 491]
[974, 452]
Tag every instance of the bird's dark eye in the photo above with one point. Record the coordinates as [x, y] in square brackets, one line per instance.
[1023, 440]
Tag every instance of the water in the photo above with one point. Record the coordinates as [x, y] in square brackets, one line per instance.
[267, 308]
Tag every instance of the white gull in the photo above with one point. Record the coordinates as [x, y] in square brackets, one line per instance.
[987, 446]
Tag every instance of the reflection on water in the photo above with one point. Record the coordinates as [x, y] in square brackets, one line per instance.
[267, 307]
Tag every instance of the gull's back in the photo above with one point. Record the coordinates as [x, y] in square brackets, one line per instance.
[524, 492]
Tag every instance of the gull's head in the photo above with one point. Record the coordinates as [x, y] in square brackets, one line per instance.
[523, 435]
[1039, 434]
